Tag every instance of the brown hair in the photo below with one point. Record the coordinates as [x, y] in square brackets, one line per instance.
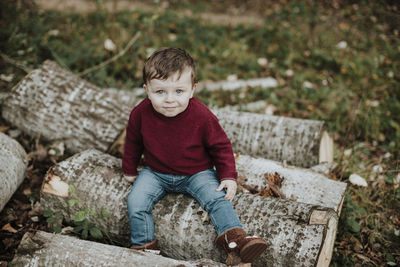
[165, 62]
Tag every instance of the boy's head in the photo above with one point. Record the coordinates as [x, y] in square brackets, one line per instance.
[166, 62]
[169, 77]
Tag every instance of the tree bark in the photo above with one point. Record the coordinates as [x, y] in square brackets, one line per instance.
[13, 163]
[301, 185]
[59, 106]
[266, 82]
[45, 249]
[55, 104]
[298, 142]
[297, 233]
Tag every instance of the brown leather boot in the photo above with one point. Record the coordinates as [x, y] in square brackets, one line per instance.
[150, 246]
[236, 241]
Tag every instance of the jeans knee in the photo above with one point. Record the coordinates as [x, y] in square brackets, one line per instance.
[215, 202]
[135, 204]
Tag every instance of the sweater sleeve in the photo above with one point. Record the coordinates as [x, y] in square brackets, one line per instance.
[220, 150]
[133, 147]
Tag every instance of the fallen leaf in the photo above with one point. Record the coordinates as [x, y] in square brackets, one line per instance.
[3, 129]
[275, 182]
[9, 228]
[27, 191]
[237, 156]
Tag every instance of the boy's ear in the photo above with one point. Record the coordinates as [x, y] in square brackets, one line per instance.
[193, 89]
[145, 88]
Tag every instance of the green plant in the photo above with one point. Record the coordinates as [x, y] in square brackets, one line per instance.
[82, 217]
[82, 220]
[54, 220]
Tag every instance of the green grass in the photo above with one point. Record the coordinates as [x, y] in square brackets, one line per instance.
[355, 89]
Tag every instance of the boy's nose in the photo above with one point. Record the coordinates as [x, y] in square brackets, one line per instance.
[169, 98]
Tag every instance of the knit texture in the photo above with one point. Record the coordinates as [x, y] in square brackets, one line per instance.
[186, 144]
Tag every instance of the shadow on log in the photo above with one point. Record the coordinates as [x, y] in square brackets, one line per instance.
[13, 163]
[45, 249]
[297, 233]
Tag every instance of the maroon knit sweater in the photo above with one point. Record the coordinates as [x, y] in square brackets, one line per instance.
[186, 144]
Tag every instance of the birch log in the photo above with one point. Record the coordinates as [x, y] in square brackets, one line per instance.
[297, 233]
[301, 185]
[299, 142]
[13, 163]
[57, 105]
[45, 249]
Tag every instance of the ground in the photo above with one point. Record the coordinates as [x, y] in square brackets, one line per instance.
[334, 61]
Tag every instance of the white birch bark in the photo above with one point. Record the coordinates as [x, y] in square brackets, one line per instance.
[266, 82]
[301, 185]
[55, 104]
[295, 141]
[294, 232]
[45, 249]
[13, 164]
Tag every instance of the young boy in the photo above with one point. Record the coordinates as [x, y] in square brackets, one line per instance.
[182, 142]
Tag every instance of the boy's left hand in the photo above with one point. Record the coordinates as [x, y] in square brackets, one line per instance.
[230, 186]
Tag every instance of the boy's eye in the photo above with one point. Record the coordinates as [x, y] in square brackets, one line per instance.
[179, 91]
[159, 92]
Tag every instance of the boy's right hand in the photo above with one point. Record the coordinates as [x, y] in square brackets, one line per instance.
[130, 179]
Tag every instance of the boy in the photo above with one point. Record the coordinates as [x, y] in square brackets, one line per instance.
[181, 141]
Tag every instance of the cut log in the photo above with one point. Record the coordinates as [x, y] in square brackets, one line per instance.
[45, 249]
[297, 233]
[296, 141]
[55, 104]
[267, 82]
[301, 185]
[13, 164]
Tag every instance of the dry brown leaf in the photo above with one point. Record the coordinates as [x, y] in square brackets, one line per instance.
[237, 156]
[275, 182]
[4, 129]
[27, 191]
[9, 228]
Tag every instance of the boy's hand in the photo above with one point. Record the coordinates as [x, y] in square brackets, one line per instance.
[230, 186]
[130, 179]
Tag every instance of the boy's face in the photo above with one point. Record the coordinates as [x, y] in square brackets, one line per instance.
[171, 96]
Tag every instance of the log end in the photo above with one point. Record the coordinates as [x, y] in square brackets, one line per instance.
[329, 218]
[326, 148]
[55, 186]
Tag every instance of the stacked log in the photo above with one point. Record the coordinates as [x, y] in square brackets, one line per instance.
[302, 143]
[297, 233]
[56, 105]
[13, 164]
[45, 249]
[299, 184]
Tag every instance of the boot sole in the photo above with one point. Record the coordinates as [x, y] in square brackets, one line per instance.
[252, 250]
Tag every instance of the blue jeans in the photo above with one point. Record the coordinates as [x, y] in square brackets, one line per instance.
[151, 186]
